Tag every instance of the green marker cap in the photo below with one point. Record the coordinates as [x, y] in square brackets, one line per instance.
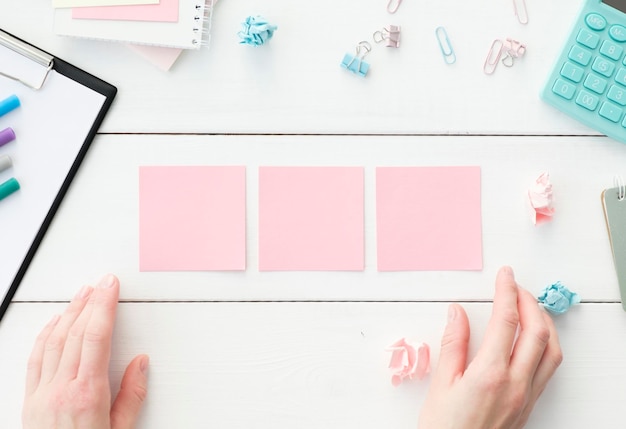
[8, 187]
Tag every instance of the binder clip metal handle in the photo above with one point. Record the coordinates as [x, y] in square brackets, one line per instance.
[390, 35]
[355, 63]
[513, 49]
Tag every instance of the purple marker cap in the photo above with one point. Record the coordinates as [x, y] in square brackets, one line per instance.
[7, 135]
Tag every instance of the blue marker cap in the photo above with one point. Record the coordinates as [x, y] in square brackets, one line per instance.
[8, 104]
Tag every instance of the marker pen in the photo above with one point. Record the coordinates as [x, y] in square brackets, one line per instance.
[8, 104]
[7, 135]
[8, 187]
[5, 162]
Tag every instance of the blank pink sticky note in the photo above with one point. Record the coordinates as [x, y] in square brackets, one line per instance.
[428, 218]
[163, 11]
[311, 219]
[192, 218]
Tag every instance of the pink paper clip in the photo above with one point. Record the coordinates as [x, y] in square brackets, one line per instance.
[493, 57]
[390, 35]
[520, 11]
[393, 5]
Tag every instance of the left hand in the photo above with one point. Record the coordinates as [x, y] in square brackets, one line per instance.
[67, 381]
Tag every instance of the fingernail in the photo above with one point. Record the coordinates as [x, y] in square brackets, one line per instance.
[143, 365]
[84, 292]
[451, 313]
[107, 281]
[507, 270]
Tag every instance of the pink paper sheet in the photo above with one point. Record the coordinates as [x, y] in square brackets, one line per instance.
[163, 58]
[428, 218]
[311, 219]
[192, 218]
[165, 11]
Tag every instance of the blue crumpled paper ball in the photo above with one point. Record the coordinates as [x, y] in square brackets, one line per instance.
[557, 299]
[256, 31]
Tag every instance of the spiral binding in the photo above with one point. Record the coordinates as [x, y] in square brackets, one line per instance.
[203, 20]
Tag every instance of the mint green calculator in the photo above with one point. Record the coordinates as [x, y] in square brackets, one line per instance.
[589, 79]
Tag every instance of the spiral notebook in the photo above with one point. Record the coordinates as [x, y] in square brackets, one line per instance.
[190, 31]
[61, 108]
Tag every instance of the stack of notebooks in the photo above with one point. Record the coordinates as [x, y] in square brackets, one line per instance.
[147, 25]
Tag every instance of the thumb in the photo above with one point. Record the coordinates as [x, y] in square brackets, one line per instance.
[132, 394]
[454, 343]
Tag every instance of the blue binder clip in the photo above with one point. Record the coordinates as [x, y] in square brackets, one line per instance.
[355, 63]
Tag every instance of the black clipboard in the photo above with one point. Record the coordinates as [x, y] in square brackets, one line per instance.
[81, 83]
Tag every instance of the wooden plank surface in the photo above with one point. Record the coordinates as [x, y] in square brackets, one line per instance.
[224, 352]
[316, 365]
[96, 230]
[295, 83]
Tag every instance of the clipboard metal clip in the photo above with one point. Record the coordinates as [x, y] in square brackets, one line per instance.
[37, 55]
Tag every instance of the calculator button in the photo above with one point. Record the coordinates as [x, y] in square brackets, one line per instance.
[618, 33]
[620, 77]
[595, 83]
[611, 50]
[572, 72]
[595, 21]
[602, 66]
[617, 94]
[579, 55]
[588, 39]
[564, 89]
[587, 100]
[611, 112]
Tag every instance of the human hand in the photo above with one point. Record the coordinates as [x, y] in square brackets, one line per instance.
[67, 380]
[499, 388]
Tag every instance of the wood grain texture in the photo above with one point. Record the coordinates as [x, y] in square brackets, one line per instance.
[315, 365]
[295, 83]
[231, 351]
[96, 230]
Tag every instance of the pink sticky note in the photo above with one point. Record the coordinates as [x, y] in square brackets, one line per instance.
[428, 218]
[164, 11]
[162, 57]
[311, 218]
[192, 218]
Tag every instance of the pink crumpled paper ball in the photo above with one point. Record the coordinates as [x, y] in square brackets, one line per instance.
[408, 360]
[541, 199]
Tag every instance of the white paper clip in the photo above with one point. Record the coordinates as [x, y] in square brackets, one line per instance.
[393, 5]
[493, 57]
[390, 35]
[444, 44]
[520, 11]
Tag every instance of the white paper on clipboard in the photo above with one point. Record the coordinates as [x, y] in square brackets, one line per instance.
[51, 126]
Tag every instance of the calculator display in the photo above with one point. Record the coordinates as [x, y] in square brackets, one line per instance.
[617, 4]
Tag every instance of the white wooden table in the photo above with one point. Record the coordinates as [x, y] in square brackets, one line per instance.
[284, 349]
